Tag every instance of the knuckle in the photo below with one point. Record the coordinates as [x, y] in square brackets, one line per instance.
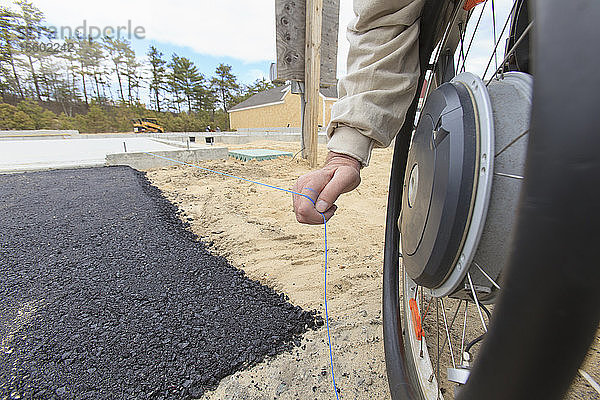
[302, 219]
[303, 178]
[304, 210]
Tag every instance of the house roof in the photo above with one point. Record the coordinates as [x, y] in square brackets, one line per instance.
[267, 97]
[276, 95]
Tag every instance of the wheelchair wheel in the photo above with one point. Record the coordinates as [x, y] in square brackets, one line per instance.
[490, 278]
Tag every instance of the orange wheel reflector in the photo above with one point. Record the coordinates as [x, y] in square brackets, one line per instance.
[470, 4]
[416, 318]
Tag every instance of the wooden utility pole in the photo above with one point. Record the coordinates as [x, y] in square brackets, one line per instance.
[307, 42]
[312, 78]
[290, 18]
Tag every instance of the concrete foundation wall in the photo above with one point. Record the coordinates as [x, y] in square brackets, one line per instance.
[143, 161]
[281, 137]
[242, 137]
[235, 138]
[269, 130]
[37, 134]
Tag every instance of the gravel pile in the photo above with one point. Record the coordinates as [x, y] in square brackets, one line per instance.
[104, 294]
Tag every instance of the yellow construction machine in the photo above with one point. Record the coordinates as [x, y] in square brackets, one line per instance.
[146, 125]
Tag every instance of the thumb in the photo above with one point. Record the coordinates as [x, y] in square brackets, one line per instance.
[344, 180]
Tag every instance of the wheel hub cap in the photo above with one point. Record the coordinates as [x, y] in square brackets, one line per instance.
[439, 189]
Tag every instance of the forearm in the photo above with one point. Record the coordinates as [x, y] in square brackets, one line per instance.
[383, 70]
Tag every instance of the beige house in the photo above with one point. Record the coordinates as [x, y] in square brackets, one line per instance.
[278, 108]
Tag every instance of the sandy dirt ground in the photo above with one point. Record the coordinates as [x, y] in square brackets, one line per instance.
[255, 229]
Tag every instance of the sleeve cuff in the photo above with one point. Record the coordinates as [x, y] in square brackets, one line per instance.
[349, 141]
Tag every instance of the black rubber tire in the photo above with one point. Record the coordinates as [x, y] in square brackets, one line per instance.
[553, 271]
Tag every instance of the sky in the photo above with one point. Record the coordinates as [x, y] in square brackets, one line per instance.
[240, 33]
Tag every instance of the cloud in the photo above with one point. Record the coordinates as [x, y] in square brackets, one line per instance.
[240, 29]
[244, 30]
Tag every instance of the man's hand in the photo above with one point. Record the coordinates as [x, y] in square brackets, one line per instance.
[340, 174]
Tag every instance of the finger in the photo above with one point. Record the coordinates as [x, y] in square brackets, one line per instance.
[343, 181]
[307, 214]
[310, 192]
[304, 194]
[309, 219]
[318, 219]
[297, 188]
[304, 207]
[329, 213]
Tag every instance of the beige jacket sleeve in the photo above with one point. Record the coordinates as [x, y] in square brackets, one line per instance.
[381, 80]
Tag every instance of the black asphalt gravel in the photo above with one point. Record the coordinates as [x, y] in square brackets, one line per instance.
[104, 294]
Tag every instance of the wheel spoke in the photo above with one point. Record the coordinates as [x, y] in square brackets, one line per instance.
[494, 30]
[437, 329]
[452, 323]
[438, 51]
[487, 276]
[497, 43]
[447, 333]
[455, 314]
[590, 380]
[512, 50]
[461, 55]
[508, 175]
[473, 36]
[515, 140]
[422, 322]
[476, 301]
[462, 342]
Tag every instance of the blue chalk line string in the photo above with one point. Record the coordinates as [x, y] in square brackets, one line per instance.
[325, 235]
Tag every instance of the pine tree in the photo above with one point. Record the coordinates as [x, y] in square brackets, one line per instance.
[189, 82]
[117, 50]
[173, 89]
[84, 73]
[132, 70]
[82, 56]
[259, 85]
[226, 85]
[31, 32]
[8, 36]
[95, 54]
[158, 73]
[69, 90]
